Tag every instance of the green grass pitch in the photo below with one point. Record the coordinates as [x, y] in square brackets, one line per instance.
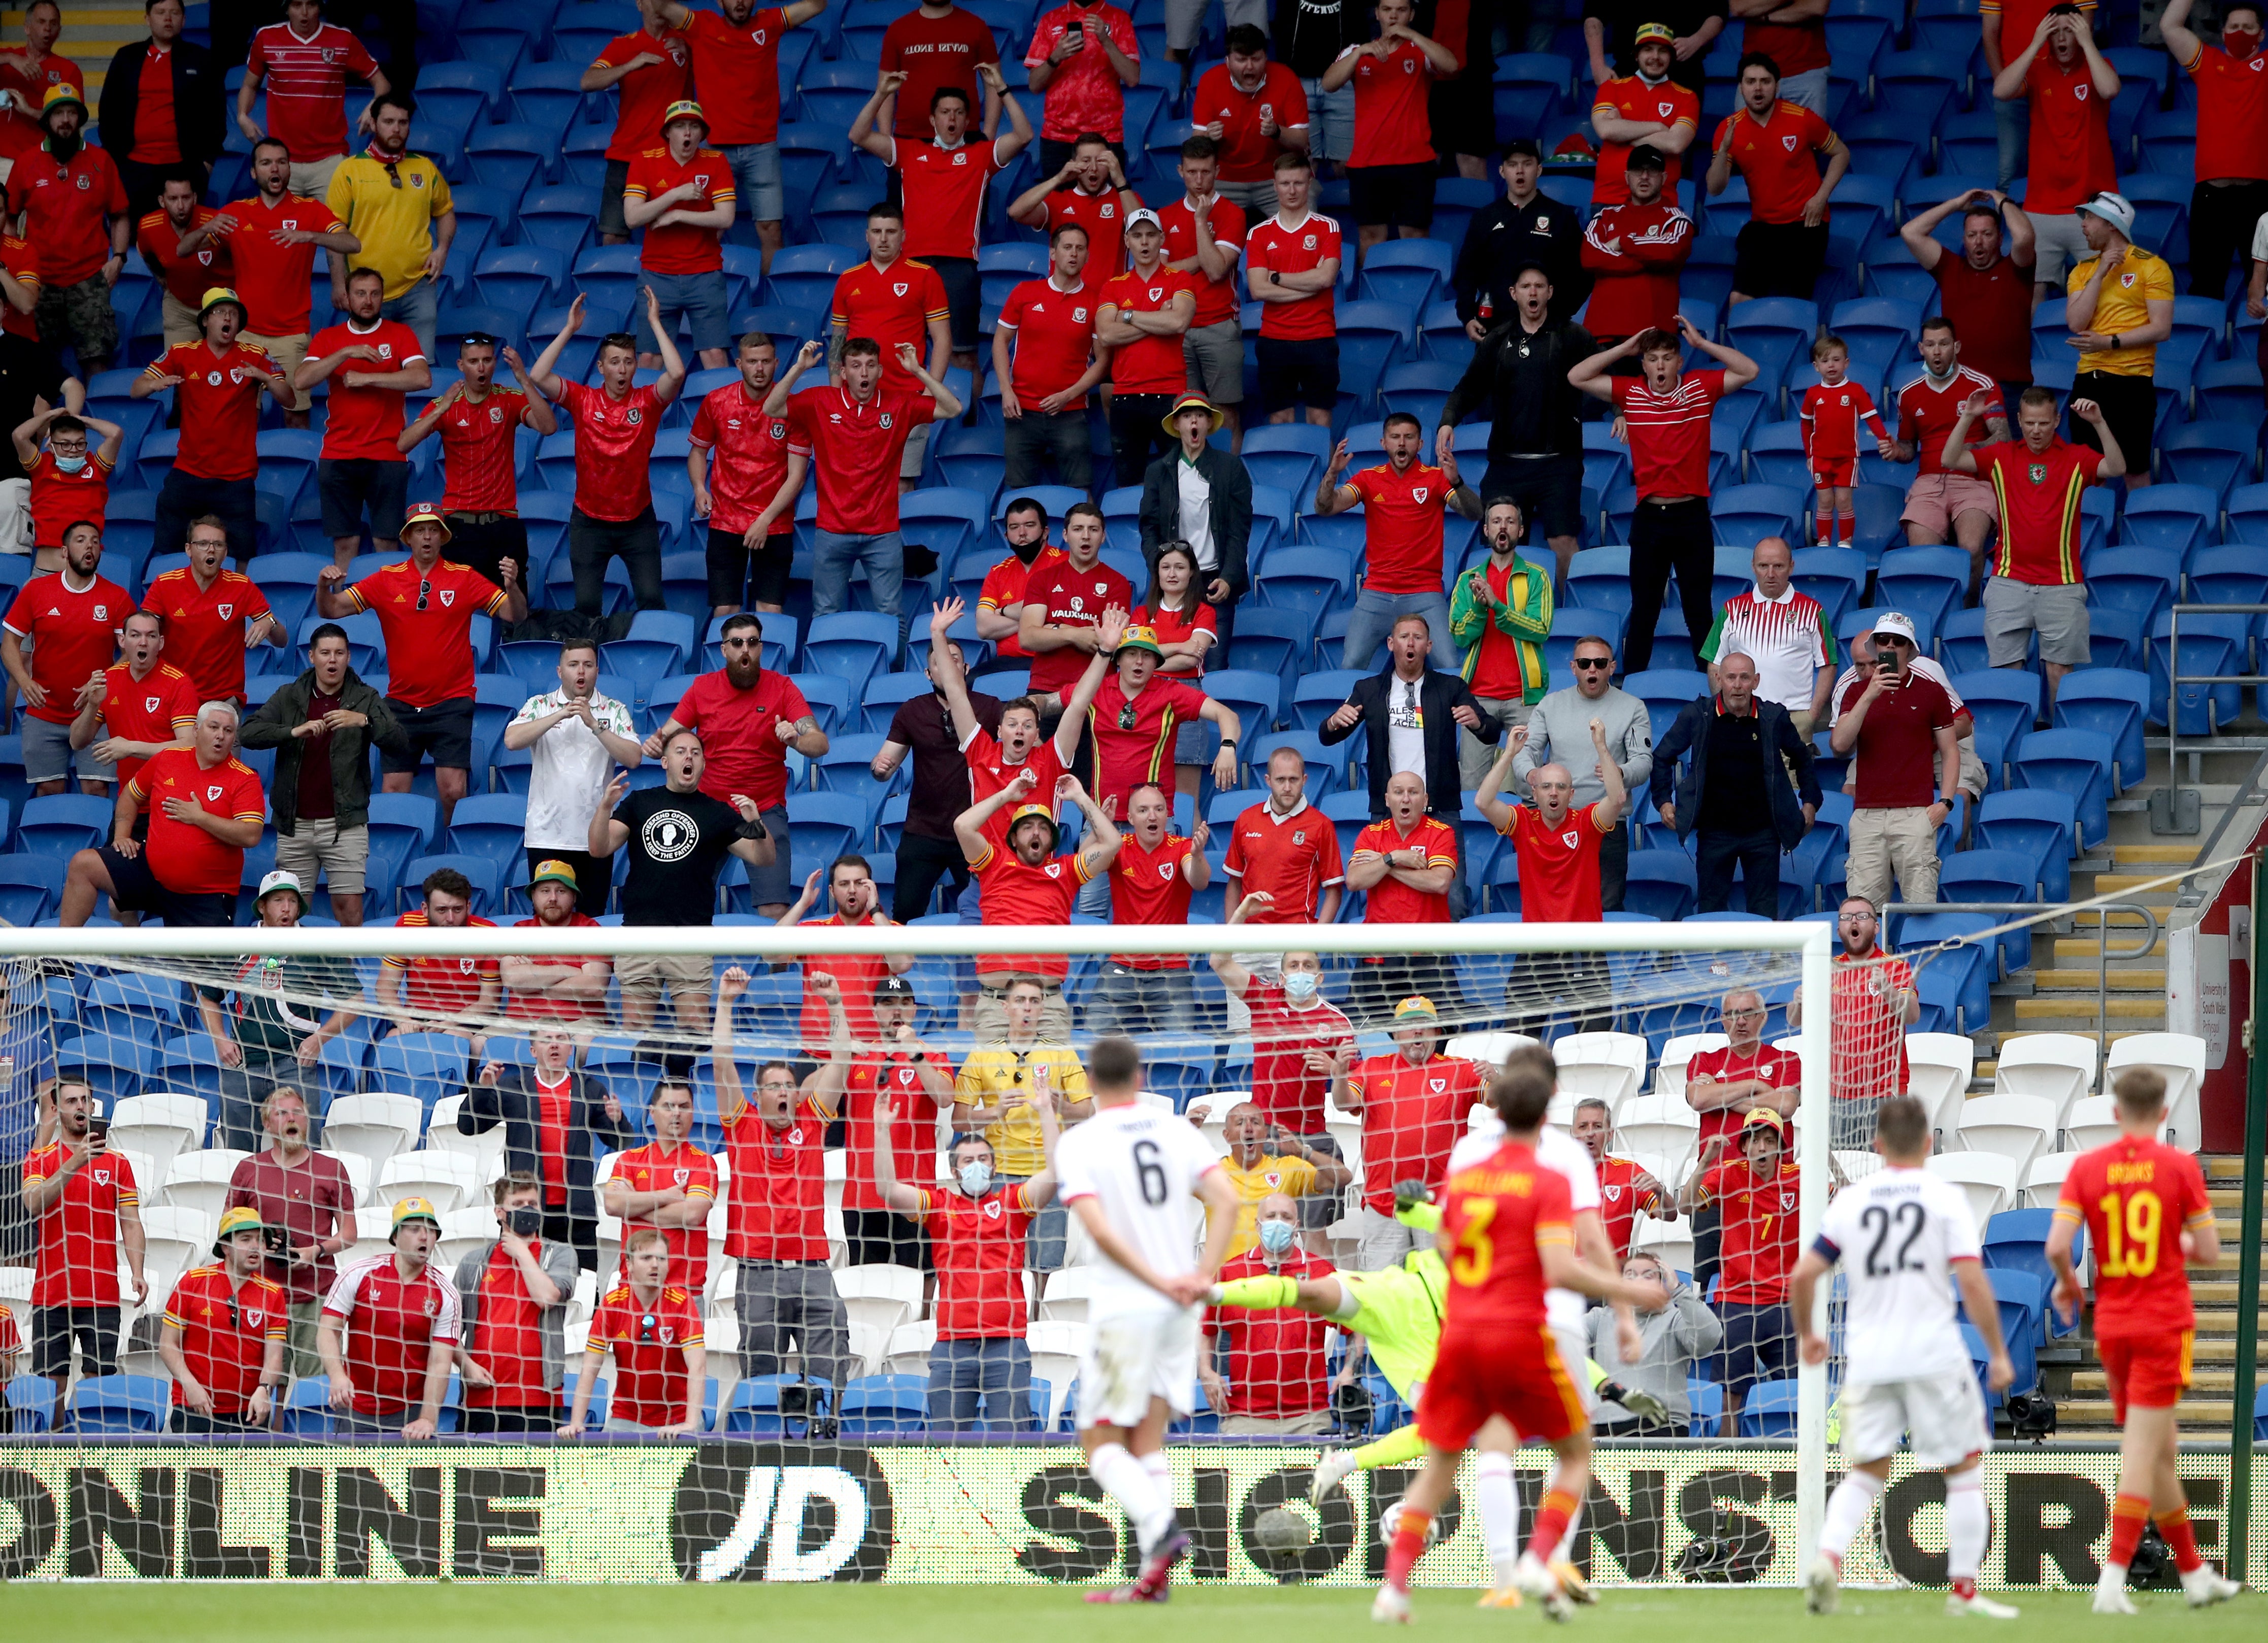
[170, 1613]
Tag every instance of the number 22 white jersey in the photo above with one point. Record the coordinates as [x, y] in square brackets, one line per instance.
[1897, 1232]
[1141, 1165]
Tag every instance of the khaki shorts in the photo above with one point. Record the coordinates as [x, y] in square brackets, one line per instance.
[313, 847]
[1214, 356]
[313, 177]
[2013, 610]
[651, 975]
[2058, 246]
[1935, 500]
[287, 354]
[180, 321]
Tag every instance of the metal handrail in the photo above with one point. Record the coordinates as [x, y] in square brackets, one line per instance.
[2103, 910]
[2175, 679]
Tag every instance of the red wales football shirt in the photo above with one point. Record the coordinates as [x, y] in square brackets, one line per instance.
[23, 265]
[1391, 124]
[643, 94]
[1017, 892]
[1776, 154]
[1294, 857]
[1276, 1356]
[391, 1323]
[989, 773]
[1153, 365]
[1103, 216]
[736, 74]
[64, 206]
[544, 1007]
[889, 306]
[1390, 902]
[1085, 94]
[2136, 1199]
[61, 500]
[306, 85]
[647, 1342]
[204, 627]
[427, 619]
[654, 1168]
[225, 1329]
[739, 729]
[479, 445]
[1071, 598]
[78, 1232]
[187, 278]
[1928, 411]
[945, 192]
[1134, 736]
[1402, 527]
[1054, 331]
[613, 440]
[2071, 161]
[1147, 887]
[978, 1246]
[220, 402]
[1003, 586]
[1669, 432]
[2232, 125]
[777, 1210]
[507, 1337]
[74, 635]
[160, 707]
[1284, 1086]
[435, 984]
[187, 859]
[1558, 866]
[1412, 1114]
[365, 421]
[1216, 299]
[748, 459]
[1298, 247]
[1759, 1216]
[1776, 1067]
[681, 248]
[857, 975]
[913, 1131]
[1621, 1199]
[2039, 498]
[856, 447]
[1630, 98]
[1246, 154]
[1830, 415]
[273, 279]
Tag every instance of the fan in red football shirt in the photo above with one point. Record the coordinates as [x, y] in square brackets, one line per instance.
[681, 194]
[388, 1332]
[69, 621]
[479, 423]
[1091, 190]
[668, 1183]
[1404, 503]
[738, 458]
[1391, 169]
[1028, 883]
[1045, 358]
[1000, 600]
[223, 1337]
[1064, 603]
[2070, 85]
[736, 74]
[69, 482]
[1292, 269]
[1783, 246]
[860, 1068]
[206, 809]
[1647, 108]
[2232, 126]
[652, 1330]
[1145, 315]
[85, 1200]
[892, 298]
[1413, 1105]
[1831, 411]
[1150, 883]
[212, 615]
[217, 383]
[1626, 1187]
[146, 704]
[1403, 865]
[850, 884]
[363, 468]
[650, 67]
[1135, 716]
[2148, 1220]
[1298, 1035]
[1941, 506]
[1751, 1180]
[1286, 869]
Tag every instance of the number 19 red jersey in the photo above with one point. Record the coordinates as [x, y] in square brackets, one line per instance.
[2135, 1198]
[1496, 1216]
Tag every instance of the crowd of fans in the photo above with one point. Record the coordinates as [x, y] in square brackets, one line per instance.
[1074, 796]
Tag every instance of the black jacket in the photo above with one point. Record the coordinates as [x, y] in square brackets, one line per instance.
[1232, 513]
[1438, 693]
[1532, 409]
[200, 118]
[512, 1102]
[1690, 735]
[1503, 239]
[271, 728]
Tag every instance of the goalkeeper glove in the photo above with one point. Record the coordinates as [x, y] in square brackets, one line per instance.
[1414, 1206]
[1644, 1404]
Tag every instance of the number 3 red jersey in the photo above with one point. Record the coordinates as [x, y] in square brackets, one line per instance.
[2135, 1197]
[1495, 1217]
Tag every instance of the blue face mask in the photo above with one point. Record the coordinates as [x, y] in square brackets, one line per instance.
[71, 464]
[1276, 1236]
[974, 1178]
[1300, 983]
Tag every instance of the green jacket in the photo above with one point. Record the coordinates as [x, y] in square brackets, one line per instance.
[1525, 618]
[349, 749]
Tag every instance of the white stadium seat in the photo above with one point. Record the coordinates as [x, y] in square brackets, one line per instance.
[1942, 1065]
[443, 1136]
[882, 1296]
[2060, 1066]
[1062, 1297]
[1490, 1048]
[360, 1175]
[908, 1348]
[2093, 1122]
[2179, 1058]
[1608, 1066]
[2017, 1127]
[1677, 1054]
[377, 1126]
[2044, 1181]
[199, 1180]
[1672, 1241]
[1663, 1126]
[463, 1232]
[174, 1238]
[451, 1180]
[1988, 1178]
[158, 1129]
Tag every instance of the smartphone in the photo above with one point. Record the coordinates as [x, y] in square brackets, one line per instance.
[97, 1132]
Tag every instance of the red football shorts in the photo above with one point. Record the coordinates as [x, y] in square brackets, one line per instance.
[1827, 472]
[1519, 1376]
[2150, 1370]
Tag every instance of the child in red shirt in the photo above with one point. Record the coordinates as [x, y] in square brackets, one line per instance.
[1831, 411]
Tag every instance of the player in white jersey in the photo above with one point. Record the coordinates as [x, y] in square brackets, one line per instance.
[1904, 1238]
[1130, 1174]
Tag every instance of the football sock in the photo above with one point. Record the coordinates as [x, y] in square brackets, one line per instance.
[1968, 1525]
[1846, 1511]
[1397, 1448]
[2174, 1526]
[1552, 1522]
[1129, 1483]
[1824, 536]
[1264, 1293]
[1499, 1504]
[1565, 1552]
[2128, 1513]
[1409, 1541]
[1844, 523]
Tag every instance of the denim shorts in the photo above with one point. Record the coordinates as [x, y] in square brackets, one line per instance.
[699, 298]
[757, 178]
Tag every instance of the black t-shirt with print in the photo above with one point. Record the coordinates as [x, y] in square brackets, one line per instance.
[677, 842]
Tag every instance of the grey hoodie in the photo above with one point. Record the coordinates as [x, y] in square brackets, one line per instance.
[1559, 732]
[1671, 1341]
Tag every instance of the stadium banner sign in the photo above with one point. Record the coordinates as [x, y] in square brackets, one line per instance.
[739, 1509]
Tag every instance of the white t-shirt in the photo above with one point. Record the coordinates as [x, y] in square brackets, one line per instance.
[1555, 1149]
[1196, 512]
[1142, 1166]
[568, 770]
[1897, 1232]
[1405, 725]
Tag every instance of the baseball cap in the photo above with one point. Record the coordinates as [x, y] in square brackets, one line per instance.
[893, 987]
[281, 879]
[1416, 1007]
[1191, 401]
[427, 513]
[1893, 622]
[554, 872]
[684, 108]
[243, 1218]
[2114, 209]
[1759, 1116]
[1521, 145]
[1135, 219]
[1662, 32]
[1143, 639]
[215, 295]
[413, 1210]
[1645, 157]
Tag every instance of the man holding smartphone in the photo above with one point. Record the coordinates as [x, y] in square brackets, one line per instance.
[84, 1197]
[1897, 721]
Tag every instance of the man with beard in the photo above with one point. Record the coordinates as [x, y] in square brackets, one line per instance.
[309, 1197]
[923, 728]
[751, 464]
[398, 204]
[1499, 616]
[69, 620]
[554, 987]
[478, 424]
[1028, 883]
[858, 904]
[157, 235]
[74, 208]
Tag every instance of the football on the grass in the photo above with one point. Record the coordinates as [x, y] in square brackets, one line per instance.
[1281, 1529]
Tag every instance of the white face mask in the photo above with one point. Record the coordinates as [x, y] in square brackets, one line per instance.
[1300, 983]
[975, 1176]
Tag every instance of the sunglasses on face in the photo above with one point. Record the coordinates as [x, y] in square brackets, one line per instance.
[1894, 644]
[1589, 664]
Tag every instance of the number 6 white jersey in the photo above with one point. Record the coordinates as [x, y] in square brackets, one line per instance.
[1897, 1234]
[1141, 1165]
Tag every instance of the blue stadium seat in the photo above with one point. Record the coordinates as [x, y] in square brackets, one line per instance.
[2142, 581]
[120, 1405]
[2075, 763]
[2209, 644]
[2179, 518]
[1407, 273]
[2113, 702]
[511, 156]
[1371, 335]
[1927, 583]
[460, 93]
[1418, 386]
[1663, 884]
[2225, 576]
[487, 882]
[2228, 390]
[822, 826]
[1769, 1409]
[2004, 704]
[803, 276]
[30, 886]
[853, 645]
[1256, 698]
[2216, 456]
[1745, 515]
[1835, 577]
[2036, 822]
[1320, 693]
[1599, 580]
[60, 823]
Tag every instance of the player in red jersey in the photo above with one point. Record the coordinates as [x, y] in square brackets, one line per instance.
[217, 383]
[1508, 1234]
[223, 1337]
[1627, 1189]
[892, 298]
[669, 1184]
[212, 615]
[2148, 1220]
[1830, 412]
[1091, 190]
[479, 423]
[738, 458]
[69, 620]
[1404, 502]
[650, 1329]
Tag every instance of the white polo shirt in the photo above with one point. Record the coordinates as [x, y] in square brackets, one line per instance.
[568, 770]
[1786, 638]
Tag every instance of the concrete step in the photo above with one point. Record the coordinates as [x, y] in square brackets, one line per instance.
[2203, 1416]
[2151, 890]
[2088, 949]
[2037, 1012]
[2160, 856]
[2086, 980]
